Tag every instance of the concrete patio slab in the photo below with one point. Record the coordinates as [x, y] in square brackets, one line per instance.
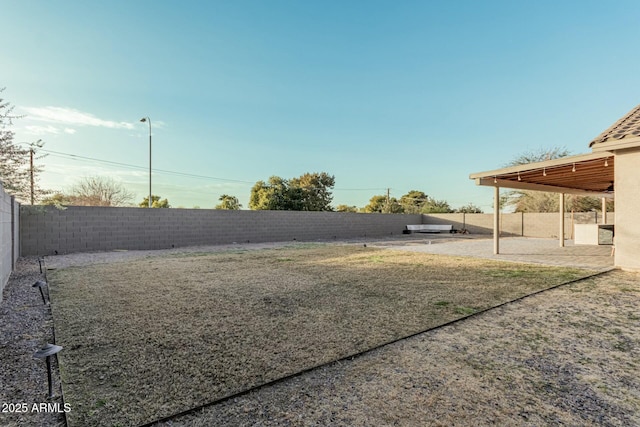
[516, 249]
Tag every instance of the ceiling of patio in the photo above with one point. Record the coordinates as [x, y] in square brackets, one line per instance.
[586, 174]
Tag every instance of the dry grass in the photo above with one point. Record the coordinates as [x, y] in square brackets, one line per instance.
[567, 357]
[148, 338]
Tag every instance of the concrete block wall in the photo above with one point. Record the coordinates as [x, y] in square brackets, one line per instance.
[455, 219]
[511, 224]
[9, 241]
[47, 230]
[547, 224]
[15, 232]
[543, 225]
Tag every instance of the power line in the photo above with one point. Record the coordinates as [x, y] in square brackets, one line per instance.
[169, 172]
[126, 165]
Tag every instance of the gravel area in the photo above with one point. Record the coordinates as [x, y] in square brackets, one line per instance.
[25, 327]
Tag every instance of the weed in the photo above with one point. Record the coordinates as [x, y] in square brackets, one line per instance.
[465, 311]
[624, 345]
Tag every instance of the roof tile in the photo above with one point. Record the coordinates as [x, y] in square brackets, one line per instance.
[627, 126]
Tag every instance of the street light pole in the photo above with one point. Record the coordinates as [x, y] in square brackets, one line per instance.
[147, 119]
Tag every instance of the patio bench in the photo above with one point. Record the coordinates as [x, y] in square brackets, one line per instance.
[429, 228]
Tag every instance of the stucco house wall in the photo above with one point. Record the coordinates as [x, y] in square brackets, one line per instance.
[627, 202]
[623, 140]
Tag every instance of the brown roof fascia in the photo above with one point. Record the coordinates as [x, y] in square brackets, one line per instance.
[617, 144]
[541, 165]
[496, 182]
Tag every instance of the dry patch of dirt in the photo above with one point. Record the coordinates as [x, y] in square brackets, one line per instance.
[152, 337]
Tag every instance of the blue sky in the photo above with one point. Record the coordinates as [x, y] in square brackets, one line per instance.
[382, 94]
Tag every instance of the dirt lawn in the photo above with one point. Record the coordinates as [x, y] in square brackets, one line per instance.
[565, 357]
[148, 338]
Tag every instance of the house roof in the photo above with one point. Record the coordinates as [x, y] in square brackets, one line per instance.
[624, 133]
[584, 174]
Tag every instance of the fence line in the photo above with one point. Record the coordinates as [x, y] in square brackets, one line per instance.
[543, 225]
[47, 230]
[9, 236]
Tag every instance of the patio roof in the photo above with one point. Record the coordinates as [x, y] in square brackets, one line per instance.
[585, 174]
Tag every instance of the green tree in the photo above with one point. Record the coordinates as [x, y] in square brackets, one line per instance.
[414, 201]
[418, 202]
[15, 162]
[381, 204]
[436, 206]
[346, 208]
[539, 201]
[230, 203]
[155, 202]
[376, 204]
[309, 192]
[270, 195]
[313, 190]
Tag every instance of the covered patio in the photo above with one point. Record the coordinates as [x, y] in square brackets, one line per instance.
[584, 175]
[613, 164]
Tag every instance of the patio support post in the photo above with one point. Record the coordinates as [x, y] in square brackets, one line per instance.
[604, 210]
[496, 220]
[561, 228]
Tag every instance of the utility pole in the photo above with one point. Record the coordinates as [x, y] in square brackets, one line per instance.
[388, 200]
[143, 120]
[31, 151]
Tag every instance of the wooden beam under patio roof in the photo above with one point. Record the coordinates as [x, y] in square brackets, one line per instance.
[584, 174]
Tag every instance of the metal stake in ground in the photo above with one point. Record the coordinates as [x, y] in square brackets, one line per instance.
[45, 353]
[40, 284]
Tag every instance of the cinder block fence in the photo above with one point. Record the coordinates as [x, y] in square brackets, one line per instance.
[48, 230]
[543, 225]
[9, 241]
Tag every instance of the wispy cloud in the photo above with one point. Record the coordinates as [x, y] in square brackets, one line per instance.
[71, 117]
[42, 130]
[38, 130]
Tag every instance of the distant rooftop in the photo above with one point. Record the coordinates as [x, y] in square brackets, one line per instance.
[627, 127]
